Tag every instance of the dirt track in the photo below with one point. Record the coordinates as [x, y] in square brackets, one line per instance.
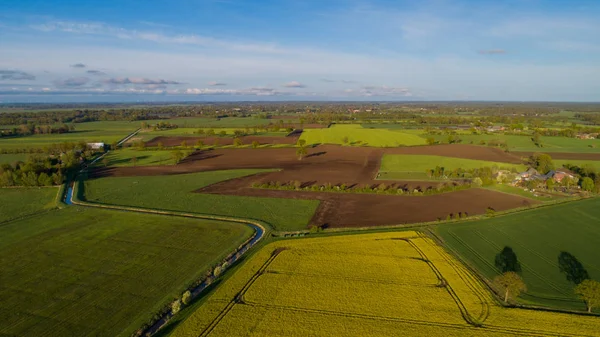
[337, 165]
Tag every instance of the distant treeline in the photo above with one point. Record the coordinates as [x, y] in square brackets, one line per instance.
[33, 129]
[422, 113]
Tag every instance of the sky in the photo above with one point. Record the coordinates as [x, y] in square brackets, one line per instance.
[244, 50]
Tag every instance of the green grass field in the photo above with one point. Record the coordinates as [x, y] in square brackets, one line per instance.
[191, 132]
[524, 143]
[537, 237]
[19, 202]
[12, 158]
[106, 132]
[124, 157]
[175, 192]
[581, 163]
[91, 272]
[414, 167]
[355, 133]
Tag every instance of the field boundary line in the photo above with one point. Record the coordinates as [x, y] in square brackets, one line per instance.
[239, 297]
[465, 277]
[461, 306]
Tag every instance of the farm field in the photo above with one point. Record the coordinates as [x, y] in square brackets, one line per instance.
[13, 158]
[104, 131]
[525, 144]
[205, 122]
[192, 132]
[124, 157]
[382, 284]
[581, 163]
[175, 192]
[90, 272]
[537, 237]
[19, 202]
[395, 126]
[414, 167]
[355, 133]
[169, 141]
[324, 164]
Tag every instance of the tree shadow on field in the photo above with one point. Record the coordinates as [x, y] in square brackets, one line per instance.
[507, 261]
[572, 268]
[316, 154]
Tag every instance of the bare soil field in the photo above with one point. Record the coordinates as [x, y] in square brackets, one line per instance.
[464, 151]
[176, 141]
[565, 155]
[340, 165]
[363, 210]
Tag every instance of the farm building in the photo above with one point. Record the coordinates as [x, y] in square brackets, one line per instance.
[533, 174]
[563, 173]
[495, 128]
[95, 146]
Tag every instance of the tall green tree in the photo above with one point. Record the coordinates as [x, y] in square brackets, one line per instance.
[301, 152]
[511, 285]
[587, 184]
[542, 162]
[589, 292]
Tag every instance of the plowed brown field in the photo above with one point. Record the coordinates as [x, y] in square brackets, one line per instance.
[337, 165]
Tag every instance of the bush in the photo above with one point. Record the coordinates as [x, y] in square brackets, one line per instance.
[186, 297]
[175, 306]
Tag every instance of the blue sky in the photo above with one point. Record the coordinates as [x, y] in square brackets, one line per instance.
[531, 50]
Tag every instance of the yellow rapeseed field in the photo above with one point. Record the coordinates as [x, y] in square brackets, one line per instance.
[383, 284]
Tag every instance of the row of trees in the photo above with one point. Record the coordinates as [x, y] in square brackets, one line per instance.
[33, 129]
[379, 189]
[482, 176]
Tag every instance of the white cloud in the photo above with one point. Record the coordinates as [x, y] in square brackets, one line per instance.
[294, 84]
[130, 80]
[98, 28]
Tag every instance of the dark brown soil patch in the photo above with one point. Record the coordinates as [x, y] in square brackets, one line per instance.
[461, 151]
[363, 210]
